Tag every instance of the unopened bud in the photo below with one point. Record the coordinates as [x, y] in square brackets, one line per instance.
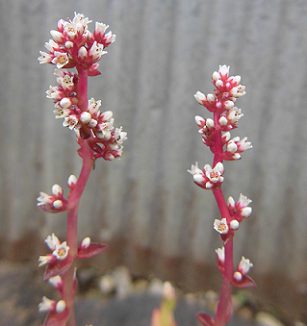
[57, 190]
[85, 117]
[57, 204]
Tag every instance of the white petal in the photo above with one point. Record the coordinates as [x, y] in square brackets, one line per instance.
[246, 211]
[231, 202]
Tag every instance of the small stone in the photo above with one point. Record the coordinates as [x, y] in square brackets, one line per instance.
[265, 319]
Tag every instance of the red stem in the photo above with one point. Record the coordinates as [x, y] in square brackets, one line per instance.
[73, 204]
[224, 309]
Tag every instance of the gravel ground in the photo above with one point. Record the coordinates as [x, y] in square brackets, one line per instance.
[116, 301]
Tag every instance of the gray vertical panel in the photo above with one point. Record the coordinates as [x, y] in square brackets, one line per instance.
[165, 51]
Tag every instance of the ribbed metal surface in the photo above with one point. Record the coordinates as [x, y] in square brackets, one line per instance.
[165, 51]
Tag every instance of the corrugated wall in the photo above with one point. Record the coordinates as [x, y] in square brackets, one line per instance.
[165, 51]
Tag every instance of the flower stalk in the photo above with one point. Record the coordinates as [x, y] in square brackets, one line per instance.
[74, 46]
[216, 135]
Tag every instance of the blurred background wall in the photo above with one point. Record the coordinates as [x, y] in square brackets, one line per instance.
[146, 204]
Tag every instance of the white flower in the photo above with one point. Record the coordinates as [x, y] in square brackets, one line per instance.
[120, 135]
[110, 37]
[56, 281]
[61, 59]
[214, 175]
[100, 28]
[81, 22]
[221, 226]
[53, 92]
[44, 57]
[60, 112]
[224, 70]
[65, 102]
[231, 202]
[244, 266]
[243, 201]
[44, 199]
[234, 115]
[46, 305]
[66, 81]
[107, 115]
[70, 121]
[220, 254]
[57, 36]
[195, 169]
[70, 29]
[86, 242]
[93, 105]
[52, 241]
[96, 51]
[238, 91]
[44, 260]
[61, 251]
[105, 130]
[244, 145]
[51, 45]
[200, 97]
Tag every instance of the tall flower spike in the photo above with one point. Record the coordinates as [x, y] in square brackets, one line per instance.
[73, 45]
[215, 133]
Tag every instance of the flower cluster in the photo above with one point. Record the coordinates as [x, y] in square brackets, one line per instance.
[72, 44]
[59, 251]
[227, 90]
[237, 211]
[208, 177]
[98, 127]
[55, 203]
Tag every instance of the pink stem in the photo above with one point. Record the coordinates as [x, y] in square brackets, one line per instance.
[224, 309]
[73, 204]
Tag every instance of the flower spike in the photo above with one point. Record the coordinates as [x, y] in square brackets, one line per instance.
[215, 133]
[73, 45]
